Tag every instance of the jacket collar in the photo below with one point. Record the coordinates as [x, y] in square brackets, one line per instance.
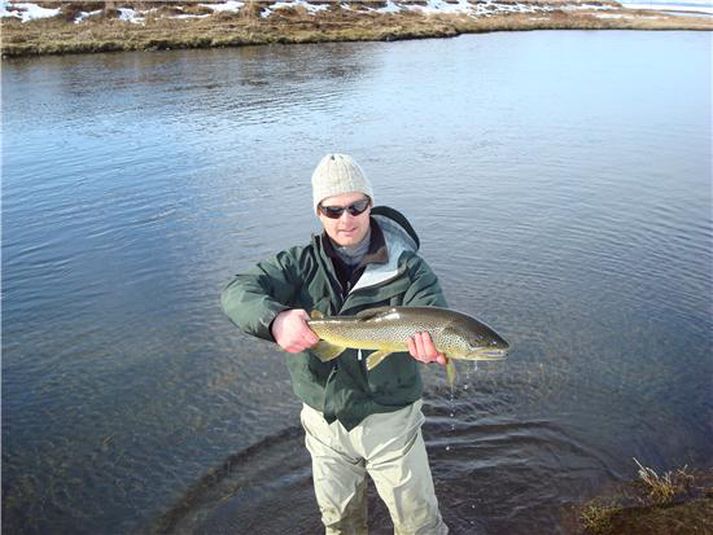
[399, 238]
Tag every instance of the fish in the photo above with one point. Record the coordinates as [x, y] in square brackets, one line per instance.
[386, 330]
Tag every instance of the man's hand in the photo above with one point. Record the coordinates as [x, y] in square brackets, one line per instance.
[422, 349]
[291, 332]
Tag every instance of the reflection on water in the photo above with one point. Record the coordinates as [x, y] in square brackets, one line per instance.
[565, 202]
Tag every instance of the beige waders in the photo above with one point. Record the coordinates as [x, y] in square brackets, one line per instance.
[387, 446]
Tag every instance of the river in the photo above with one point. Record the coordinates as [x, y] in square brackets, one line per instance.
[561, 186]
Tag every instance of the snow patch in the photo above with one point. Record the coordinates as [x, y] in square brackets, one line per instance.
[229, 6]
[187, 16]
[441, 6]
[131, 15]
[84, 15]
[390, 7]
[26, 11]
[311, 8]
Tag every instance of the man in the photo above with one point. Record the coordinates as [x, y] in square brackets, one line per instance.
[356, 422]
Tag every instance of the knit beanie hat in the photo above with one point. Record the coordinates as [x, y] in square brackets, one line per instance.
[336, 174]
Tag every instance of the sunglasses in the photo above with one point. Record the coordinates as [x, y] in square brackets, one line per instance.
[335, 212]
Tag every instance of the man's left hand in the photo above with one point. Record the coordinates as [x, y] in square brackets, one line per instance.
[421, 347]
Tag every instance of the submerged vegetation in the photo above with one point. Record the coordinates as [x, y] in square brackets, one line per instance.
[76, 27]
[675, 502]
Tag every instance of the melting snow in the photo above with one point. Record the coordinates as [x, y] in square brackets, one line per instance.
[26, 11]
[29, 11]
[230, 5]
[84, 15]
[129, 15]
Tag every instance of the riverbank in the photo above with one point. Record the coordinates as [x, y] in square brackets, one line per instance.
[82, 27]
[679, 501]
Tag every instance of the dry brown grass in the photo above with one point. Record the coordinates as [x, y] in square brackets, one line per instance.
[251, 10]
[665, 488]
[105, 32]
[196, 9]
[676, 501]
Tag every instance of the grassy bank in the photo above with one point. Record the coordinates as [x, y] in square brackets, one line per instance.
[104, 31]
[677, 502]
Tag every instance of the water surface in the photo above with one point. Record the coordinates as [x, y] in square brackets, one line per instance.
[561, 186]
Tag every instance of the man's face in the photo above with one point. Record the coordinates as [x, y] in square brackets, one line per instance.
[347, 230]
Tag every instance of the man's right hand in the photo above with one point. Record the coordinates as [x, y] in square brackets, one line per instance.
[291, 332]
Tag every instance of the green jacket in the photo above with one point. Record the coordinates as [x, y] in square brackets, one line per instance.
[304, 277]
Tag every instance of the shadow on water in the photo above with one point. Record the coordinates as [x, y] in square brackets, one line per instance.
[266, 488]
[491, 473]
[248, 489]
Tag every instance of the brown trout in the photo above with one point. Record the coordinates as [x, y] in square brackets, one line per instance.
[385, 330]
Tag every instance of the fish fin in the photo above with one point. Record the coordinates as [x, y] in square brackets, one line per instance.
[316, 315]
[373, 360]
[450, 372]
[326, 351]
[370, 313]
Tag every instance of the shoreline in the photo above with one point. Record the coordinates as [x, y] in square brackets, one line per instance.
[68, 28]
[679, 501]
